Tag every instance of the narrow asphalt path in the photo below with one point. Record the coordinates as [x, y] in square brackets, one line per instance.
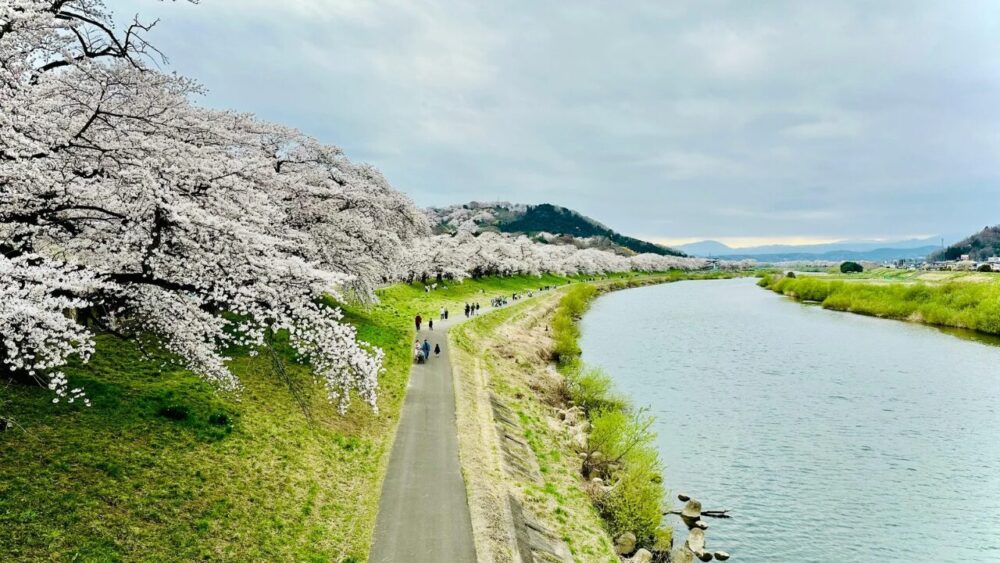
[423, 514]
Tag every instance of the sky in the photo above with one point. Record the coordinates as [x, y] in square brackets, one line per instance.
[745, 122]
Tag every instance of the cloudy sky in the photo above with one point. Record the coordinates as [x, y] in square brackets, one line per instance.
[672, 120]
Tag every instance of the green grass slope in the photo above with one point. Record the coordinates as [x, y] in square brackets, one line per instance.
[163, 468]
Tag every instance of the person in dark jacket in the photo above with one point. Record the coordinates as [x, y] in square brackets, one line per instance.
[430, 324]
[417, 321]
[437, 349]
[426, 348]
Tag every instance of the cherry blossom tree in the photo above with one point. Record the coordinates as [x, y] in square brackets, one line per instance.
[469, 255]
[122, 199]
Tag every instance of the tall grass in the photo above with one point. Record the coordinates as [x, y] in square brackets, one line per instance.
[967, 305]
[566, 334]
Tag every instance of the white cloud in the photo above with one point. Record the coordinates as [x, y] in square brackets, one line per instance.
[778, 119]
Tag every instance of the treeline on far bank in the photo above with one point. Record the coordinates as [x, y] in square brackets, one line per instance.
[967, 305]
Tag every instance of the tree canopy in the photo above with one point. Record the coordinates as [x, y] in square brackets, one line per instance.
[851, 267]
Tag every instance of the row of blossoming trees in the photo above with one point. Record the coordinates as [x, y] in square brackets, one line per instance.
[124, 207]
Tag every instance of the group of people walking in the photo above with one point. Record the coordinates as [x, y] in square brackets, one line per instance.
[422, 352]
[471, 309]
[419, 321]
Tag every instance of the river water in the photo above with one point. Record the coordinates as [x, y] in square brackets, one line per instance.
[830, 436]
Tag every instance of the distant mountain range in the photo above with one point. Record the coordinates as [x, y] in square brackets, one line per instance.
[544, 222]
[876, 251]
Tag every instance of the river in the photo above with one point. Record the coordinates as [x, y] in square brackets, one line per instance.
[830, 436]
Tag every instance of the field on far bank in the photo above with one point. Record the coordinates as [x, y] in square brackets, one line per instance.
[895, 275]
[965, 300]
[164, 468]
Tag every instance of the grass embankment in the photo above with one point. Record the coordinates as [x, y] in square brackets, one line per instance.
[620, 446]
[164, 468]
[895, 275]
[959, 304]
[506, 354]
[510, 354]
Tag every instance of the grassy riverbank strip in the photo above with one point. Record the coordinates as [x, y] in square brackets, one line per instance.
[621, 466]
[972, 305]
[163, 467]
[527, 357]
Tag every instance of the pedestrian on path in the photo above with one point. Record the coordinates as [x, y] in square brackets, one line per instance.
[430, 324]
[437, 350]
[442, 317]
[418, 320]
[446, 314]
[426, 348]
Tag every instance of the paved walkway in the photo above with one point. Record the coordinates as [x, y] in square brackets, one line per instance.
[423, 514]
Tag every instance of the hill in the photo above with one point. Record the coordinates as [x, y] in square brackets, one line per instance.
[979, 247]
[706, 248]
[545, 222]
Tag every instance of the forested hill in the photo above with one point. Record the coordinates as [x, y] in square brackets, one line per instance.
[544, 221]
[979, 246]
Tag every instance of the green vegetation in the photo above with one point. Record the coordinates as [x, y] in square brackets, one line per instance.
[592, 390]
[620, 446]
[967, 305]
[851, 268]
[163, 467]
[564, 327]
[561, 221]
[629, 460]
[530, 220]
[505, 354]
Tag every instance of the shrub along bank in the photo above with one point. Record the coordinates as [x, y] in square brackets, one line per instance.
[968, 305]
[619, 448]
[620, 461]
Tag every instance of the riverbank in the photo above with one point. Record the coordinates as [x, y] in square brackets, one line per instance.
[520, 439]
[971, 304]
[192, 474]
